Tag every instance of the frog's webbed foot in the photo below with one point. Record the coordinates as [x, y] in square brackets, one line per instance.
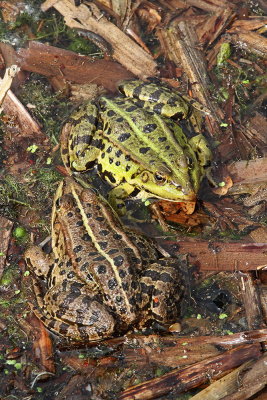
[161, 286]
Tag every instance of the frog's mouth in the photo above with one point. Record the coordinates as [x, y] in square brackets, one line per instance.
[169, 195]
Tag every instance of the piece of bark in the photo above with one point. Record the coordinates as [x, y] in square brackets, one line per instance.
[124, 50]
[228, 384]
[27, 126]
[211, 5]
[243, 172]
[214, 25]
[251, 300]
[227, 341]
[250, 137]
[249, 24]
[180, 44]
[42, 345]
[219, 256]
[182, 380]
[250, 41]
[5, 231]
[65, 65]
[251, 381]
[173, 355]
[263, 301]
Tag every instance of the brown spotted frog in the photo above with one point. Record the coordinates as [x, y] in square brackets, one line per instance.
[100, 279]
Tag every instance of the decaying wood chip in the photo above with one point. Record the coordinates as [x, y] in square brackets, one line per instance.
[245, 337]
[219, 256]
[251, 381]
[13, 107]
[178, 381]
[89, 18]
[248, 172]
[65, 65]
[251, 300]
[180, 44]
[6, 82]
[248, 24]
[214, 25]
[42, 345]
[250, 41]
[211, 5]
[5, 231]
[263, 300]
[228, 384]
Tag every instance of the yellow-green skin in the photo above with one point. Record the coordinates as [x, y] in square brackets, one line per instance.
[136, 144]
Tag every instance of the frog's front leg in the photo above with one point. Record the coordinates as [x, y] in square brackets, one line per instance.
[117, 196]
[81, 143]
[200, 146]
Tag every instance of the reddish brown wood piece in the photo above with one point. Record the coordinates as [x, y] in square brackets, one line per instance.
[67, 65]
[218, 256]
[178, 381]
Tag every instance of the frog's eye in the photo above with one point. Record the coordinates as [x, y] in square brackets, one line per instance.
[159, 179]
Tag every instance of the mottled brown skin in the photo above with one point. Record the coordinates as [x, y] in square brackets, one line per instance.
[101, 279]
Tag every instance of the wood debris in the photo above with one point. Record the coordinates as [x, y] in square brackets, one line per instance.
[124, 50]
[5, 232]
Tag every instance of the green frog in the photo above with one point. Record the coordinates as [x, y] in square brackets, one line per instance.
[100, 279]
[137, 144]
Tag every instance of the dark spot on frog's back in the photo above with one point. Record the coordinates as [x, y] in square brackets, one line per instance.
[101, 269]
[137, 90]
[122, 273]
[124, 136]
[85, 139]
[120, 119]
[110, 113]
[149, 128]
[112, 283]
[103, 245]
[98, 143]
[77, 249]
[155, 95]
[131, 108]
[90, 118]
[118, 260]
[144, 150]
[76, 288]
[104, 232]
[63, 328]
[158, 108]
[86, 237]
[85, 266]
[118, 153]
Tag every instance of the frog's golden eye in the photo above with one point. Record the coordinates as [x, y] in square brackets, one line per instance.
[160, 179]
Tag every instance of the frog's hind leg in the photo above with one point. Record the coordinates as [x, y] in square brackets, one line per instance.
[80, 142]
[78, 313]
[161, 287]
